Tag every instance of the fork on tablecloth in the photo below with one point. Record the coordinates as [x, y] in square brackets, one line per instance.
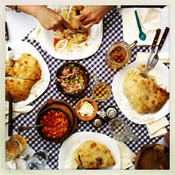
[156, 57]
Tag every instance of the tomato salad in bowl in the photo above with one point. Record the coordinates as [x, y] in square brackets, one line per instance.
[72, 78]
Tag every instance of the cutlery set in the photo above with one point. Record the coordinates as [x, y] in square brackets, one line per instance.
[142, 36]
[156, 57]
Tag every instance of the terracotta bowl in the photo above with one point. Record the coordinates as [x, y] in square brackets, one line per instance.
[67, 109]
[148, 158]
[86, 117]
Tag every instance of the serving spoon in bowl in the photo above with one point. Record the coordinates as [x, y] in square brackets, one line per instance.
[23, 128]
[142, 35]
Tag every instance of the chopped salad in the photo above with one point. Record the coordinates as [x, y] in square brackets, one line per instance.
[71, 79]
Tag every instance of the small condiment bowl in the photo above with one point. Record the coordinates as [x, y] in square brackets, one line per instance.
[85, 117]
[85, 76]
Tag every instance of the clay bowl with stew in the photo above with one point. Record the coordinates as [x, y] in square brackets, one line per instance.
[154, 156]
[59, 120]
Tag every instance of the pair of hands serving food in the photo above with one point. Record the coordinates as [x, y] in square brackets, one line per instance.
[89, 16]
[52, 20]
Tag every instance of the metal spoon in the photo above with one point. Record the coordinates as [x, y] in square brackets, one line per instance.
[23, 128]
[142, 35]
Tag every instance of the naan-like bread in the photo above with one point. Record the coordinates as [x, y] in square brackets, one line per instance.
[21, 75]
[18, 88]
[93, 155]
[72, 14]
[25, 67]
[144, 94]
[77, 37]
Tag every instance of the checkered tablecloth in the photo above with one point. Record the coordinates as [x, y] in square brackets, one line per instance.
[95, 64]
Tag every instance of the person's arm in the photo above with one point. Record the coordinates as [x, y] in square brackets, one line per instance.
[91, 15]
[48, 18]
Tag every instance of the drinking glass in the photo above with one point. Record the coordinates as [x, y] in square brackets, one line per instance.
[100, 91]
[120, 130]
[37, 161]
[119, 54]
[14, 147]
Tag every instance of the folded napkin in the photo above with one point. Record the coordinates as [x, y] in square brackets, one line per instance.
[36, 34]
[149, 20]
[16, 164]
[126, 155]
[164, 57]
[17, 112]
[157, 128]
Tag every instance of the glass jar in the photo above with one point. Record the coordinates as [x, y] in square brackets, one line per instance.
[119, 54]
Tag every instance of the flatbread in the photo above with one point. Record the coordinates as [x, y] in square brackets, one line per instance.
[143, 93]
[19, 88]
[26, 67]
[93, 155]
[21, 75]
[72, 14]
[77, 37]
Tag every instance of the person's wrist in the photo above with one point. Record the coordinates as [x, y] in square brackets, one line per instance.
[31, 10]
[36, 11]
[16, 9]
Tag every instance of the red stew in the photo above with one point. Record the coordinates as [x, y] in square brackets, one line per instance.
[56, 124]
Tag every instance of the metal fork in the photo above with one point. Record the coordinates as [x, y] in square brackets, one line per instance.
[156, 57]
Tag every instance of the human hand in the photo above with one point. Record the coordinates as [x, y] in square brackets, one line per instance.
[91, 15]
[50, 19]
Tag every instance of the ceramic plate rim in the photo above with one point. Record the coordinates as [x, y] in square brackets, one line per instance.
[122, 101]
[79, 137]
[18, 47]
[71, 56]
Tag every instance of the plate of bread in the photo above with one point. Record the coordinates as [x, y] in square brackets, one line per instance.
[143, 97]
[26, 74]
[69, 45]
[89, 150]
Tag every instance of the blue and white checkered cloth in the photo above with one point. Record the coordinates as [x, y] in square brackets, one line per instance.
[95, 64]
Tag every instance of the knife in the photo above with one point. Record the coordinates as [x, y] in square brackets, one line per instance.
[10, 123]
[10, 53]
[79, 30]
[153, 48]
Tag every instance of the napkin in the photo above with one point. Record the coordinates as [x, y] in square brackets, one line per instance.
[157, 128]
[16, 164]
[36, 34]
[18, 111]
[126, 155]
[164, 57]
[149, 20]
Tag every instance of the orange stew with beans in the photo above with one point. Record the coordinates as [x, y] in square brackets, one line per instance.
[56, 123]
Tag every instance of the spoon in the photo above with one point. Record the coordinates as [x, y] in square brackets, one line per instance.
[23, 128]
[142, 35]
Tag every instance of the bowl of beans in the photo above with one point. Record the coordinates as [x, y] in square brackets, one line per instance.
[56, 125]
[72, 79]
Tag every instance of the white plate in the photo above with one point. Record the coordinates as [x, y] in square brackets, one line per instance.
[161, 72]
[93, 41]
[41, 85]
[66, 160]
